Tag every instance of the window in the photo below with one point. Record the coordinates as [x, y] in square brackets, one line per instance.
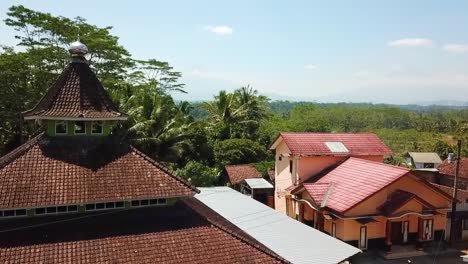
[90, 207]
[290, 166]
[363, 238]
[9, 213]
[162, 201]
[465, 224]
[100, 206]
[80, 128]
[119, 204]
[51, 210]
[62, 209]
[61, 127]
[336, 147]
[333, 231]
[39, 211]
[426, 229]
[72, 208]
[97, 127]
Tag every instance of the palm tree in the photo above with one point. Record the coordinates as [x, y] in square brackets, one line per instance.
[224, 112]
[158, 126]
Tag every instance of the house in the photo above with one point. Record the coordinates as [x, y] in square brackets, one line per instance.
[369, 204]
[423, 160]
[288, 238]
[77, 193]
[300, 155]
[447, 173]
[246, 179]
[462, 213]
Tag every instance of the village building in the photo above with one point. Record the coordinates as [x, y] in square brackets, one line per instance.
[246, 179]
[447, 171]
[338, 183]
[76, 193]
[370, 204]
[298, 156]
[423, 160]
[296, 242]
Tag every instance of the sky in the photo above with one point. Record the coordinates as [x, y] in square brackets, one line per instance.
[395, 51]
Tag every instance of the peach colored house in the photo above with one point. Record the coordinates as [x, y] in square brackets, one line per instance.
[370, 204]
[301, 155]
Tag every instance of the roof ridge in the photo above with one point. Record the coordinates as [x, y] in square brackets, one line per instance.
[379, 163]
[20, 150]
[164, 169]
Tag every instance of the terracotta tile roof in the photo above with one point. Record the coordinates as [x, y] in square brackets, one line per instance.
[172, 234]
[462, 195]
[238, 173]
[316, 143]
[355, 180]
[447, 168]
[76, 170]
[76, 94]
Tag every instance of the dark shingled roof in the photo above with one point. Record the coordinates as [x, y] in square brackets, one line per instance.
[399, 198]
[76, 170]
[77, 94]
[182, 233]
[449, 168]
[238, 173]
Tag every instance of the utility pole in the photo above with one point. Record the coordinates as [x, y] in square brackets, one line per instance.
[455, 191]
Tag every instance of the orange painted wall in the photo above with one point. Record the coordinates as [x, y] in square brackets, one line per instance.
[408, 183]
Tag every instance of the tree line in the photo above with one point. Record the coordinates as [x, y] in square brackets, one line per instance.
[194, 140]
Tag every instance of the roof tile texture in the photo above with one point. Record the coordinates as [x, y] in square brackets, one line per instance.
[76, 94]
[59, 171]
[314, 143]
[449, 169]
[355, 180]
[238, 173]
[169, 234]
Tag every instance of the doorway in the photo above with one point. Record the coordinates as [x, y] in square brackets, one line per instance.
[397, 234]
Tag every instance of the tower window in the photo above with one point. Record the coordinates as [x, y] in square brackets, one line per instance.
[61, 127]
[97, 127]
[80, 128]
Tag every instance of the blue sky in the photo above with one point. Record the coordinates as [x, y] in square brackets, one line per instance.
[353, 51]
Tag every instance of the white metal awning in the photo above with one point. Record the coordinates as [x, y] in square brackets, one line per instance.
[258, 183]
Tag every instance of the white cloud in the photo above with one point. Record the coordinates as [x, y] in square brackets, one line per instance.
[220, 30]
[310, 67]
[411, 42]
[456, 48]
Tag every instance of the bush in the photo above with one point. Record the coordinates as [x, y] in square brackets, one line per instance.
[198, 174]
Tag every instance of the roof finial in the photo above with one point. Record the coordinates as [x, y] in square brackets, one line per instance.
[77, 48]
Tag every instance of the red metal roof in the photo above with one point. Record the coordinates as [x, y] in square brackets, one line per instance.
[315, 143]
[354, 181]
[447, 168]
[238, 173]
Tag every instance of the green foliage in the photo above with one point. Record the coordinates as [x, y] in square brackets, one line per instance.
[198, 174]
[264, 166]
[238, 151]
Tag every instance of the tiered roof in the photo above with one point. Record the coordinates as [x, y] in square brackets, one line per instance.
[77, 95]
[77, 170]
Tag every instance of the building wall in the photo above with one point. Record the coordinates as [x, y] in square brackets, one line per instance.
[407, 183]
[283, 177]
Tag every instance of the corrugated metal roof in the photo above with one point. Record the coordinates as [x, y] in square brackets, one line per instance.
[315, 144]
[288, 238]
[425, 157]
[258, 183]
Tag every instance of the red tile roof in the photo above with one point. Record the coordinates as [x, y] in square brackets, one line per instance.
[238, 173]
[447, 168]
[462, 195]
[171, 234]
[355, 180]
[76, 94]
[317, 191]
[77, 170]
[315, 143]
